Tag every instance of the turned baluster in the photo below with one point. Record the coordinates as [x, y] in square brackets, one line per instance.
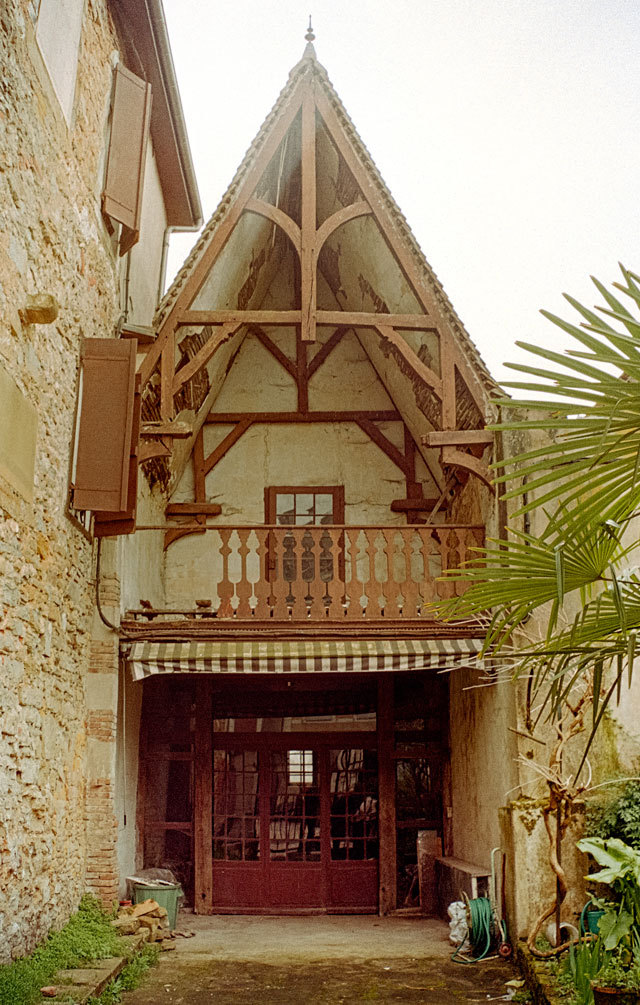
[243, 586]
[373, 587]
[335, 582]
[298, 586]
[318, 562]
[262, 586]
[410, 586]
[353, 586]
[225, 589]
[395, 574]
[279, 585]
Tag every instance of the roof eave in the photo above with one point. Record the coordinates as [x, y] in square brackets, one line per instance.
[147, 37]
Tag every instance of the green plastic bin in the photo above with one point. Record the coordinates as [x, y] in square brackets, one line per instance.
[165, 896]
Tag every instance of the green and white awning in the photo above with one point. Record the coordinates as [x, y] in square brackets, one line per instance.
[297, 656]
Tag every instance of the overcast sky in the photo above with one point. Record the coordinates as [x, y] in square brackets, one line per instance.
[506, 130]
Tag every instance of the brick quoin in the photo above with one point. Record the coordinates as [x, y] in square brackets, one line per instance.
[102, 833]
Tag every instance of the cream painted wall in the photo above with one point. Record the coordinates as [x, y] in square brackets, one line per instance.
[58, 32]
[139, 561]
[146, 255]
[288, 454]
[483, 761]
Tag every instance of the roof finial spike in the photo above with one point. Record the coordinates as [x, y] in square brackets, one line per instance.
[309, 51]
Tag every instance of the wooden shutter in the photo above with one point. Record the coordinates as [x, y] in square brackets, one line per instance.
[105, 426]
[124, 521]
[124, 180]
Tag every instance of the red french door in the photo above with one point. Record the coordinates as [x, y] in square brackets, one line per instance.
[295, 822]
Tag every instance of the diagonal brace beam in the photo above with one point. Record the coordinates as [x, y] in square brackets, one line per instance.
[385, 445]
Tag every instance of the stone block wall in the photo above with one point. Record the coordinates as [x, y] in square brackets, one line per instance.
[52, 240]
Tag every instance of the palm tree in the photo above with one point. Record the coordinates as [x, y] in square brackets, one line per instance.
[584, 485]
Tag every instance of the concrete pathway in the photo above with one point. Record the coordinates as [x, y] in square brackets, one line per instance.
[329, 960]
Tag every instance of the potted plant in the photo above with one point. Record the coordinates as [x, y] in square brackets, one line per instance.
[618, 982]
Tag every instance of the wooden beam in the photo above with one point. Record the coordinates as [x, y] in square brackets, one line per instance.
[203, 799]
[349, 319]
[419, 505]
[184, 530]
[277, 216]
[396, 242]
[203, 355]
[325, 351]
[371, 193]
[458, 458]
[414, 489]
[225, 418]
[197, 318]
[230, 439]
[193, 508]
[386, 796]
[147, 451]
[308, 281]
[197, 459]
[365, 319]
[144, 335]
[457, 438]
[275, 351]
[223, 231]
[336, 220]
[447, 369]
[178, 430]
[419, 368]
[302, 379]
[167, 369]
[385, 445]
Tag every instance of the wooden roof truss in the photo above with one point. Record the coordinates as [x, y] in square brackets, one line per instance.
[458, 425]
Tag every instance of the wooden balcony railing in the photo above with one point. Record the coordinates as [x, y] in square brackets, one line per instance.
[334, 573]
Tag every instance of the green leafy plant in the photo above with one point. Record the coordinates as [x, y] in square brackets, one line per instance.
[583, 483]
[620, 924]
[585, 961]
[617, 818]
[87, 936]
[615, 974]
[129, 978]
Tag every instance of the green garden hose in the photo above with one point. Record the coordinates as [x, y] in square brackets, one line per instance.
[480, 917]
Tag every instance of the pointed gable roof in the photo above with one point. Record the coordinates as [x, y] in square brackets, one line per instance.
[308, 208]
[309, 66]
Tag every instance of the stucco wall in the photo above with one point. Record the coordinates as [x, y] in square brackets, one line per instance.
[288, 454]
[483, 768]
[146, 255]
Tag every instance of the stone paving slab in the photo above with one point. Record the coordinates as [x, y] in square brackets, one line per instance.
[199, 981]
[84, 982]
[322, 960]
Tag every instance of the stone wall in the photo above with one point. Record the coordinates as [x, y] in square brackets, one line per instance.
[57, 719]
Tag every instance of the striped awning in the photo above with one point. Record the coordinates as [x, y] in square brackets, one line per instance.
[297, 656]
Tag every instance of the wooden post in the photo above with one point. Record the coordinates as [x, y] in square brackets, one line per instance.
[203, 799]
[386, 797]
[308, 214]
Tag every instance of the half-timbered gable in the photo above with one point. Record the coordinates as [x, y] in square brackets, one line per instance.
[314, 414]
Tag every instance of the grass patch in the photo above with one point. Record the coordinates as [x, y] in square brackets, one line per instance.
[87, 936]
[129, 978]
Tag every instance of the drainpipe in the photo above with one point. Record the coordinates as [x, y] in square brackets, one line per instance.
[168, 231]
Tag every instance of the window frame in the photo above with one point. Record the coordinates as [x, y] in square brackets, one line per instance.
[273, 491]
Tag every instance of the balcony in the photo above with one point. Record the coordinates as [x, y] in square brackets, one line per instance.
[331, 574]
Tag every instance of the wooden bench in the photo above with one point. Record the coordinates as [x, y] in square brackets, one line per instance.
[455, 877]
